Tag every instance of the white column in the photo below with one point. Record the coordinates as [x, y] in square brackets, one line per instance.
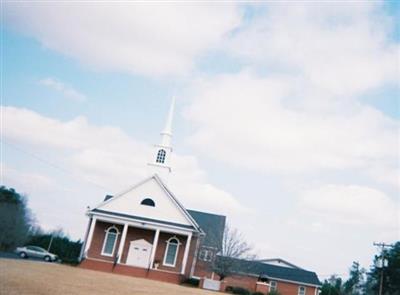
[186, 253]
[154, 248]
[122, 242]
[196, 252]
[82, 252]
[90, 236]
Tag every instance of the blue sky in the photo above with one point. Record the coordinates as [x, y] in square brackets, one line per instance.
[286, 120]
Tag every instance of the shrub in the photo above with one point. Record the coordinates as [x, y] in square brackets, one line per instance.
[237, 290]
[192, 282]
[228, 289]
[65, 248]
[258, 293]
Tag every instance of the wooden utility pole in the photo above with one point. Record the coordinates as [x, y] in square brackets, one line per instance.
[382, 246]
[51, 241]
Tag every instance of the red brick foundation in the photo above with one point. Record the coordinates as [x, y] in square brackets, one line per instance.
[174, 278]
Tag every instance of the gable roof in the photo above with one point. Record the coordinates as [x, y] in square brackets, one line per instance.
[275, 272]
[279, 262]
[213, 226]
[120, 205]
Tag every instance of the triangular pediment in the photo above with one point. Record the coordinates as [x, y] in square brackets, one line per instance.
[166, 208]
[141, 242]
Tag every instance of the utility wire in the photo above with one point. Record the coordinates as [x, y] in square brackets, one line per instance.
[40, 159]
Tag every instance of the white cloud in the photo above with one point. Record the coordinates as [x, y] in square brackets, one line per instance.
[107, 156]
[340, 49]
[298, 106]
[246, 121]
[66, 90]
[352, 204]
[142, 38]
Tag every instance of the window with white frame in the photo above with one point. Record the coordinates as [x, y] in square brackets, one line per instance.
[302, 290]
[110, 240]
[273, 286]
[171, 252]
[206, 255]
[161, 156]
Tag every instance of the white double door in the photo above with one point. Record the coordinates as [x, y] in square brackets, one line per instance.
[139, 253]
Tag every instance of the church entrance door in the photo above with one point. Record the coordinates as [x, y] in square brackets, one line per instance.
[139, 253]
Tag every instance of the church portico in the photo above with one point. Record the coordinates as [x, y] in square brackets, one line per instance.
[140, 245]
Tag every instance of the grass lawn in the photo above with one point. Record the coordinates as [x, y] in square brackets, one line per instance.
[30, 277]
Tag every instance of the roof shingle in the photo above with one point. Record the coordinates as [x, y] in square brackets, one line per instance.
[213, 226]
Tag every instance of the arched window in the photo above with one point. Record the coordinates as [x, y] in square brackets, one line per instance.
[161, 156]
[171, 252]
[110, 240]
[148, 202]
[302, 290]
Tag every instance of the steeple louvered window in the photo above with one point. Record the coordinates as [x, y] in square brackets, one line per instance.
[161, 156]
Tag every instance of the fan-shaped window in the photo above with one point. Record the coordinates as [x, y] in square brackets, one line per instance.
[171, 253]
[110, 240]
[161, 156]
[148, 202]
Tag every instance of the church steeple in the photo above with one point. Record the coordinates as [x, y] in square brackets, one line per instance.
[162, 151]
[166, 134]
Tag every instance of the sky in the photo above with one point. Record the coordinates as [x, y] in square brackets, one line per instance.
[287, 116]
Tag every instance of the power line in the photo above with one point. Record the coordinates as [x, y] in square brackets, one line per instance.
[40, 159]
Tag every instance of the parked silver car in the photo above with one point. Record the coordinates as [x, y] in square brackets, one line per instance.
[34, 251]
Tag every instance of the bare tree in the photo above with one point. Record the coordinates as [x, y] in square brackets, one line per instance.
[233, 255]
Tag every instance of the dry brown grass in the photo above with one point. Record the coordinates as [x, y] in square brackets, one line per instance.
[30, 277]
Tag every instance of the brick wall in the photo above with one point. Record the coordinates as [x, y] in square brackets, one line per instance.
[99, 235]
[250, 283]
[161, 248]
[132, 271]
[134, 233]
[286, 288]
[203, 269]
[246, 282]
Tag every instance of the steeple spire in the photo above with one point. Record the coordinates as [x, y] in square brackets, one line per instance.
[162, 152]
[166, 134]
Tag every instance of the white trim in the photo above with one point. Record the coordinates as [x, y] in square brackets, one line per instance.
[205, 254]
[156, 164]
[176, 252]
[194, 261]
[154, 248]
[186, 253]
[141, 224]
[105, 241]
[82, 252]
[90, 236]
[122, 193]
[122, 242]
[273, 288]
[280, 261]
[165, 189]
[305, 290]
[177, 203]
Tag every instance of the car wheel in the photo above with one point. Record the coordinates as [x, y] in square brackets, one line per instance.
[23, 255]
[47, 258]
